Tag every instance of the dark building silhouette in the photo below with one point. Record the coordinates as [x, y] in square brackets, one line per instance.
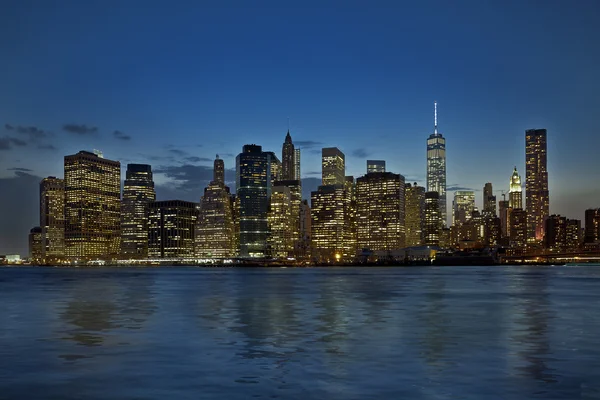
[171, 229]
[138, 193]
[536, 184]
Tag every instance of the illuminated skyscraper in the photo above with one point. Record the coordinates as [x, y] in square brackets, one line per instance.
[297, 170]
[433, 220]
[380, 218]
[503, 206]
[282, 235]
[92, 206]
[295, 191]
[555, 239]
[35, 244]
[52, 218]
[463, 206]
[350, 225]
[436, 166]
[275, 166]
[415, 214]
[536, 183]
[375, 166]
[333, 166]
[515, 195]
[574, 238]
[288, 155]
[328, 223]
[253, 183]
[489, 201]
[305, 229]
[171, 229]
[214, 229]
[518, 229]
[138, 192]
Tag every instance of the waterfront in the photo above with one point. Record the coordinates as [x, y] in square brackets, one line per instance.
[335, 333]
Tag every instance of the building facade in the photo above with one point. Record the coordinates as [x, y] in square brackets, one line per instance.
[518, 229]
[592, 225]
[463, 206]
[283, 235]
[433, 219]
[489, 200]
[52, 218]
[515, 195]
[375, 166]
[253, 186]
[414, 214]
[536, 183]
[380, 211]
[138, 193]
[436, 166]
[171, 229]
[333, 164]
[215, 235]
[35, 245]
[92, 206]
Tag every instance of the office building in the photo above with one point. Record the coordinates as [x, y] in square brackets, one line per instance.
[282, 218]
[515, 195]
[253, 186]
[297, 170]
[433, 219]
[436, 166]
[215, 235]
[375, 166]
[555, 239]
[463, 206]
[275, 166]
[350, 224]
[35, 245]
[489, 201]
[380, 212]
[295, 191]
[288, 155]
[536, 184]
[503, 207]
[333, 163]
[414, 214]
[52, 218]
[592, 225]
[328, 223]
[92, 206]
[171, 229]
[305, 230]
[138, 192]
[518, 229]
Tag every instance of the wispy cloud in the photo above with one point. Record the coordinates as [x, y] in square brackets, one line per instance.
[307, 144]
[80, 129]
[454, 188]
[7, 143]
[121, 136]
[20, 169]
[360, 153]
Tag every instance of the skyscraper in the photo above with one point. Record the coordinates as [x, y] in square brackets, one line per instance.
[463, 206]
[305, 230]
[297, 170]
[515, 195]
[171, 229]
[281, 217]
[375, 166]
[52, 218]
[415, 214]
[35, 244]
[253, 183]
[518, 229]
[503, 206]
[536, 183]
[380, 218]
[333, 163]
[214, 229]
[489, 201]
[592, 225]
[92, 206]
[138, 192]
[433, 221]
[288, 155]
[436, 166]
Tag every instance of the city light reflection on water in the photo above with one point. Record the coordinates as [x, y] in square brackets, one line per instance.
[418, 333]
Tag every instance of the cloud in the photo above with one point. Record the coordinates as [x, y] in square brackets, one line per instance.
[47, 147]
[360, 153]
[19, 169]
[121, 136]
[178, 152]
[7, 143]
[188, 181]
[454, 188]
[194, 159]
[313, 173]
[80, 129]
[33, 132]
[307, 144]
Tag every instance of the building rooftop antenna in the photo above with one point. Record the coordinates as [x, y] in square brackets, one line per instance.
[435, 117]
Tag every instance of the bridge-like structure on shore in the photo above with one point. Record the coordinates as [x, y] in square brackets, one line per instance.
[553, 258]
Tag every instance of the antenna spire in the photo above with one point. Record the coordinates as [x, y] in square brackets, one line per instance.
[435, 117]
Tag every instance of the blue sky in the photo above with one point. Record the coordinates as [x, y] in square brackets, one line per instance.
[183, 81]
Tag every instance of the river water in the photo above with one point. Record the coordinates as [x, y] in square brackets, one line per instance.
[315, 333]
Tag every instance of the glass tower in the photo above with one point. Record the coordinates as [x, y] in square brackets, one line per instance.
[138, 192]
[436, 166]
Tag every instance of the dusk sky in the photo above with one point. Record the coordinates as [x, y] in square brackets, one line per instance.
[174, 83]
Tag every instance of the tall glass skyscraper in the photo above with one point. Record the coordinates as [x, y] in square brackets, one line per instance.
[92, 206]
[436, 166]
[138, 192]
[536, 184]
[253, 183]
[333, 163]
[52, 218]
[288, 156]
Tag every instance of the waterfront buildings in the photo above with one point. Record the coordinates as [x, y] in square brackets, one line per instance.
[138, 192]
[536, 184]
[436, 166]
[282, 217]
[253, 186]
[92, 206]
[518, 230]
[171, 229]
[433, 221]
[35, 244]
[52, 218]
[414, 214]
[215, 233]
[463, 206]
[380, 211]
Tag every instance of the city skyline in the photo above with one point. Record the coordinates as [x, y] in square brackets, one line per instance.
[370, 94]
